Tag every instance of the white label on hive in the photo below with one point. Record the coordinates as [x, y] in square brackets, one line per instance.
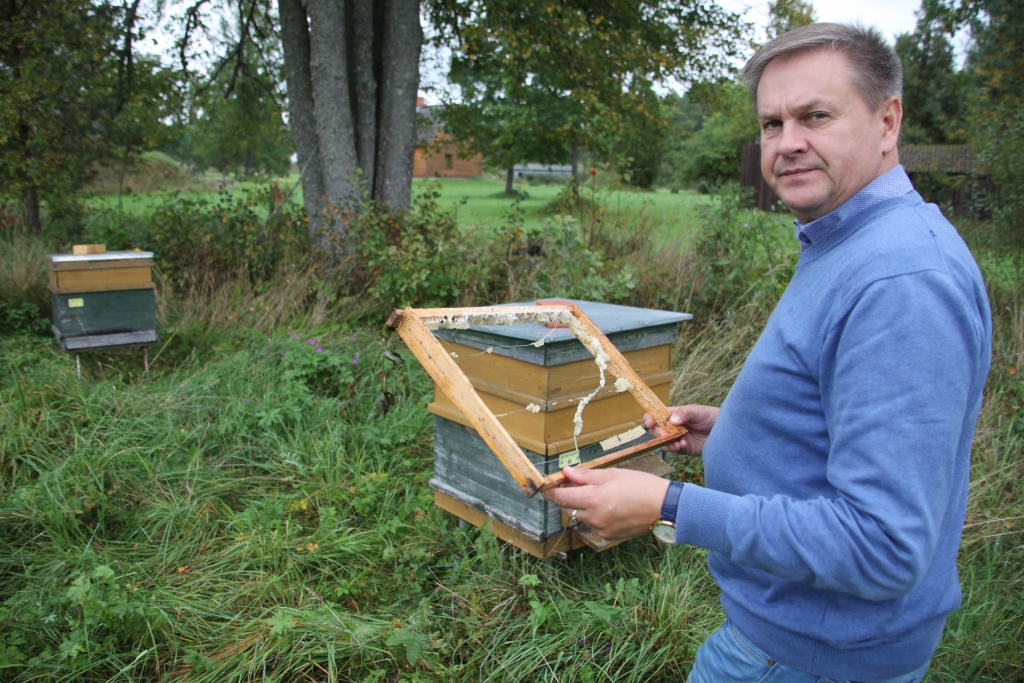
[76, 303]
[569, 459]
[625, 437]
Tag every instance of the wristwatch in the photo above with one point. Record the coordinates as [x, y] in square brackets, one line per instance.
[665, 528]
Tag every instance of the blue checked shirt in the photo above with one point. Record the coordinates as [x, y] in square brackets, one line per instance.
[893, 183]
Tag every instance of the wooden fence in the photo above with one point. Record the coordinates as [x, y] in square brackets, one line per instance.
[750, 176]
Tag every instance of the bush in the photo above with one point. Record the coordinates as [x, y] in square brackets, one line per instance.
[418, 258]
[202, 240]
[741, 253]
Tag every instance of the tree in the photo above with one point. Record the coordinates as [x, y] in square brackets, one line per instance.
[995, 98]
[352, 70]
[235, 113]
[638, 148]
[69, 96]
[933, 91]
[711, 155]
[786, 15]
[541, 79]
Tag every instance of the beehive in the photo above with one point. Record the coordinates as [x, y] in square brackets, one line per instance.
[102, 300]
[468, 479]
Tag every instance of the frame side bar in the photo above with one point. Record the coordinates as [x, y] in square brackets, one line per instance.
[620, 367]
[459, 389]
[558, 478]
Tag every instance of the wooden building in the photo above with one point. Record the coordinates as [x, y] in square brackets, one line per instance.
[436, 155]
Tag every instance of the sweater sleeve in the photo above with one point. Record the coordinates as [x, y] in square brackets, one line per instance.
[896, 379]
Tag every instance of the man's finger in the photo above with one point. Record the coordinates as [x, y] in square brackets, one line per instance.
[567, 496]
[583, 476]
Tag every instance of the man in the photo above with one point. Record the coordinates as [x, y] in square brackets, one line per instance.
[837, 468]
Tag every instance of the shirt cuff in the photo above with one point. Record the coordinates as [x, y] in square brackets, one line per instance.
[702, 516]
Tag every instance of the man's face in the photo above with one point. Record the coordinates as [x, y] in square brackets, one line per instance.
[820, 141]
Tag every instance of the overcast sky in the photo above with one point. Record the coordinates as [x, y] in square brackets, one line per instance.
[892, 17]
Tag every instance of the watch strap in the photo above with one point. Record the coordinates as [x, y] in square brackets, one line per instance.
[668, 508]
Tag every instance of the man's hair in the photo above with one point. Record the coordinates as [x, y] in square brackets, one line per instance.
[876, 69]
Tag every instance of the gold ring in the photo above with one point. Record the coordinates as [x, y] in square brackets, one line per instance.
[572, 519]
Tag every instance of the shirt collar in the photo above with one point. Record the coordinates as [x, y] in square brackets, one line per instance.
[892, 183]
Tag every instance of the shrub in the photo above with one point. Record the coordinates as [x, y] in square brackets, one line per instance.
[741, 253]
[415, 258]
[198, 240]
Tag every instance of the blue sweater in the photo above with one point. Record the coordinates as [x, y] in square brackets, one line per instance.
[837, 471]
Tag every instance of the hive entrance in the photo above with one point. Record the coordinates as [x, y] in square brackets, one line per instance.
[415, 327]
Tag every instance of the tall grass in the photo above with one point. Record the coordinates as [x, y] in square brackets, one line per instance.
[243, 513]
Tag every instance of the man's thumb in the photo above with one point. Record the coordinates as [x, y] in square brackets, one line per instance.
[582, 476]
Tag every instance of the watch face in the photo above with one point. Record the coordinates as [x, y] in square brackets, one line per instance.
[664, 531]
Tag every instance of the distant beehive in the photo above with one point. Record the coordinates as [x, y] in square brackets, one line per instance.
[102, 299]
[471, 483]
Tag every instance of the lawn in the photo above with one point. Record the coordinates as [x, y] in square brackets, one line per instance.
[243, 512]
[480, 203]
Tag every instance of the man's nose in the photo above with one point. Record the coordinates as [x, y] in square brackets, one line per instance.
[792, 139]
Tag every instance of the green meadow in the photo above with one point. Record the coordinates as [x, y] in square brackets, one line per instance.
[243, 512]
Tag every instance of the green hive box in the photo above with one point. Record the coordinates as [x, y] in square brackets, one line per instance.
[102, 301]
[470, 482]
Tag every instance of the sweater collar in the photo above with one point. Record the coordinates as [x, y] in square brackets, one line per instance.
[892, 183]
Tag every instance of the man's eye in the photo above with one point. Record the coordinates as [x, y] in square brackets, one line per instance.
[819, 116]
[772, 125]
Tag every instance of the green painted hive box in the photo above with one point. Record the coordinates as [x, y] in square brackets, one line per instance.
[102, 301]
[510, 371]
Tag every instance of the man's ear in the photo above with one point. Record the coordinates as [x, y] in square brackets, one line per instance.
[891, 113]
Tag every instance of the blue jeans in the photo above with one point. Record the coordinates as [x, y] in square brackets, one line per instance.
[728, 657]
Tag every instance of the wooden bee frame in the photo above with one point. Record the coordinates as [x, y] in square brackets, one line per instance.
[414, 327]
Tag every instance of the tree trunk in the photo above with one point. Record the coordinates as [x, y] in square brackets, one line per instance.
[365, 90]
[332, 107]
[352, 111]
[32, 208]
[301, 122]
[403, 38]
[575, 167]
[510, 175]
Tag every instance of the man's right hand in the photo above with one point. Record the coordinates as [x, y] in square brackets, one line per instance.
[698, 421]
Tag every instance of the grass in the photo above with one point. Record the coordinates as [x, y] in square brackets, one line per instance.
[480, 203]
[242, 513]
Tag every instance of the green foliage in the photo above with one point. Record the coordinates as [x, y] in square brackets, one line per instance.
[637, 149]
[74, 94]
[202, 239]
[933, 91]
[742, 254]
[236, 124]
[568, 266]
[417, 258]
[995, 61]
[711, 155]
[786, 15]
[535, 80]
[1002, 151]
[414, 644]
[22, 317]
[326, 372]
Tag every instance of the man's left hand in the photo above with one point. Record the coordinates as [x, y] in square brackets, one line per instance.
[615, 503]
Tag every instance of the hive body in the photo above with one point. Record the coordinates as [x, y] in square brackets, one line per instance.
[102, 300]
[552, 376]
